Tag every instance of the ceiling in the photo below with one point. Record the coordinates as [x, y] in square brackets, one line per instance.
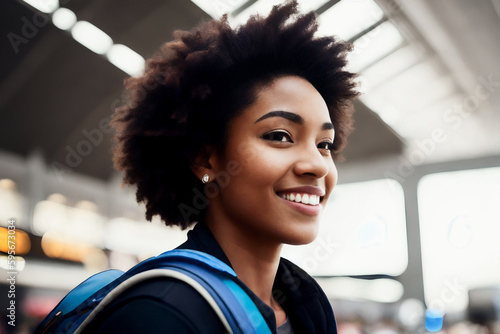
[54, 92]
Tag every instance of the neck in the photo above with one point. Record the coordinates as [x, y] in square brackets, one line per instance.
[254, 260]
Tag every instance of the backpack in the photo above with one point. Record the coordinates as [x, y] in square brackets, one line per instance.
[211, 278]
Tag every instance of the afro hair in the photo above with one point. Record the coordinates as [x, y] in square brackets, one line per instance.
[197, 83]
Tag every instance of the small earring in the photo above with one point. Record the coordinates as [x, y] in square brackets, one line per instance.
[205, 178]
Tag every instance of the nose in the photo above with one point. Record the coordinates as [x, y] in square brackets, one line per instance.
[310, 161]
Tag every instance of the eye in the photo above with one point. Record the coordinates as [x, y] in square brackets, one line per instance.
[281, 136]
[327, 145]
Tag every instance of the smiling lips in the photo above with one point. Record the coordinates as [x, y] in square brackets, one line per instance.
[302, 198]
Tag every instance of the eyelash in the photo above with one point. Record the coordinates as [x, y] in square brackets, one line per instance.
[271, 136]
[331, 146]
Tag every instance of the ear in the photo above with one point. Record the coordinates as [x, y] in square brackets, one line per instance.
[205, 162]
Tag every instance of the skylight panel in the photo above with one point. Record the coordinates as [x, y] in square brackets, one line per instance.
[348, 18]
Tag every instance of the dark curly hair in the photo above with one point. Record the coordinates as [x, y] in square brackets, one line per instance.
[201, 80]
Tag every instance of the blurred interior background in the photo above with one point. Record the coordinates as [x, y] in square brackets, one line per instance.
[414, 223]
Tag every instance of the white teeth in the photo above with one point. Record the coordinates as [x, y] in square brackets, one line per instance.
[305, 199]
[302, 198]
[313, 199]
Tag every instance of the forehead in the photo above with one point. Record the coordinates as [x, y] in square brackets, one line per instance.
[291, 94]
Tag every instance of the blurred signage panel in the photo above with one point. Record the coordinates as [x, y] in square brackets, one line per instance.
[362, 232]
[72, 223]
[11, 202]
[460, 230]
[142, 239]
[14, 241]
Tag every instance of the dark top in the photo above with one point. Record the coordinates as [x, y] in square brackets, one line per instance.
[165, 305]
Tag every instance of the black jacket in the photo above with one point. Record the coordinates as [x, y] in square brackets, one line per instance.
[169, 306]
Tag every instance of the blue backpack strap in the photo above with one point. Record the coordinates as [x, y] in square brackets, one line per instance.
[238, 307]
[214, 280]
[79, 295]
[183, 255]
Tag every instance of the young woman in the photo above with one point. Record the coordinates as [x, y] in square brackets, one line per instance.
[236, 131]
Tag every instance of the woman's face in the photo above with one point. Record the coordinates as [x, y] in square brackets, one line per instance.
[286, 173]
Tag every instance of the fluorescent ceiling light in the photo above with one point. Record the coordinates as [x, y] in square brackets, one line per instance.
[216, 8]
[126, 59]
[64, 18]
[44, 6]
[373, 46]
[91, 37]
[264, 7]
[349, 17]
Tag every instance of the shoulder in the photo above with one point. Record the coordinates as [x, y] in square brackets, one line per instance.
[303, 299]
[299, 283]
[294, 277]
[158, 305]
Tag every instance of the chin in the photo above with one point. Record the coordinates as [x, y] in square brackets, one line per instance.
[301, 237]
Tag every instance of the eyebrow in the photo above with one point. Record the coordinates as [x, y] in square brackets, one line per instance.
[292, 117]
[327, 126]
[284, 114]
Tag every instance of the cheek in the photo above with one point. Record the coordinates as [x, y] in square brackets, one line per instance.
[331, 178]
[258, 163]
[261, 171]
